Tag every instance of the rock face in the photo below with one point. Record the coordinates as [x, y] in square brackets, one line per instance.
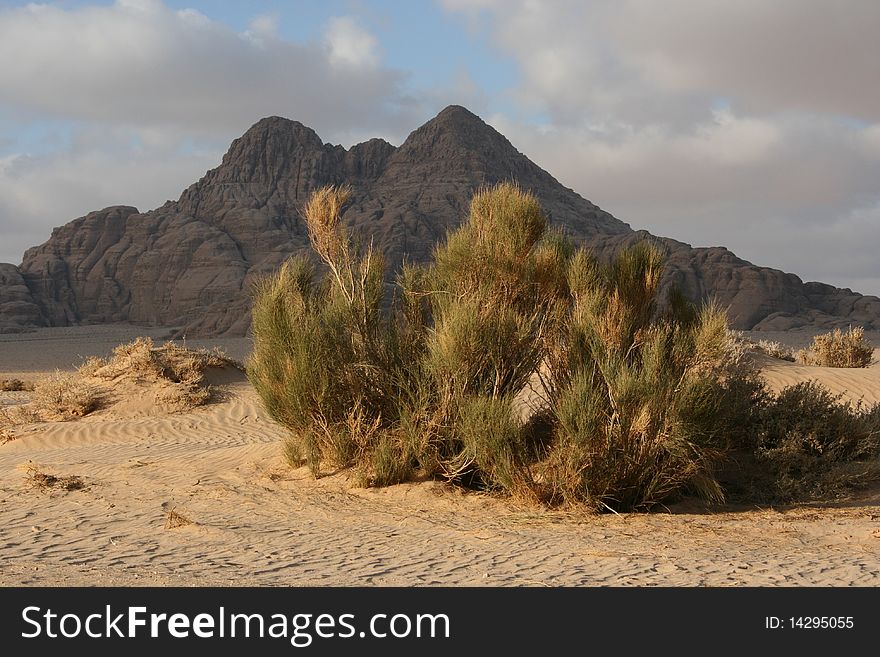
[18, 309]
[191, 262]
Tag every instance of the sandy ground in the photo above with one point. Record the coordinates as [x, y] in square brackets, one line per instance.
[257, 522]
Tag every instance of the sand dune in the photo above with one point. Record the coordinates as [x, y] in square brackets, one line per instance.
[860, 384]
[254, 521]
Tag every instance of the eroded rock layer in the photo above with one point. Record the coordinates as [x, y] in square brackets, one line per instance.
[191, 262]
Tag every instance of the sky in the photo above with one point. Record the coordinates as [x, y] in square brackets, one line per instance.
[748, 124]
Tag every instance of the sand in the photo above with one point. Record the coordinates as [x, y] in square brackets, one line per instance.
[859, 385]
[255, 521]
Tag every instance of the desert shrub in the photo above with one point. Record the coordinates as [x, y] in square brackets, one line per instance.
[499, 289]
[390, 392]
[64, 396]
[15, 385]
[179, 370]
[812, 444]
[774, 350]
[644, 407]
[838, 349]
[142, 358]
[635, 405]
[326, 362]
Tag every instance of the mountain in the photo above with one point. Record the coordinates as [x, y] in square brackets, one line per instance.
[191, 262]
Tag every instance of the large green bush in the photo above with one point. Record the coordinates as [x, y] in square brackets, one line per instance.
[630, 403]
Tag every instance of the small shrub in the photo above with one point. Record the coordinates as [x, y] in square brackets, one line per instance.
[45, 481]
[774, 350]
[15, 385]
[183, 396]
[181, 371]
[170, 362]
[64, 396]
[18, 415]
[839, 349]
[815, 445]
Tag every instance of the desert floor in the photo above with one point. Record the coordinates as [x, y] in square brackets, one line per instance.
[255, 521]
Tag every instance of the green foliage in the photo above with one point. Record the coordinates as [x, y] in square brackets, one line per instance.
[644, 406]
[494, 443]
[814, 445]
[635, 404]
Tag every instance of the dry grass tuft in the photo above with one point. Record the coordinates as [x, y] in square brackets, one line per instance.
[838, 349]
[175, 519]
[15, 385]
[64, 396]
[18, 415]
[45, 481]
[181, 371]
[773, 349]
[178, 372]
[170, 362]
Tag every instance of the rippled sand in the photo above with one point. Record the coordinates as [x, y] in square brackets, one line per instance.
[257, 522]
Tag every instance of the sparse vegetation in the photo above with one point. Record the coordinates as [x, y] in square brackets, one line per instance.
[838, 348]
[774, 350]
[181, 371]
[809, 444]
[64, 396]
[177, 375]
[175, 519]
[40, 480]
[636, 407]
[15, 385]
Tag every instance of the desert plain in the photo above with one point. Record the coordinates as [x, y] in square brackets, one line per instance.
[204, 497]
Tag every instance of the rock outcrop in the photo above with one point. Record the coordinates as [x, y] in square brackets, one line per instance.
[191, 262]
[18, 309]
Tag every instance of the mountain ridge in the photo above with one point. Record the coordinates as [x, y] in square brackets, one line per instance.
[191, 262]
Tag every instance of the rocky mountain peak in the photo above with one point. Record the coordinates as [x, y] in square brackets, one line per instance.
[455, 131]
[191, 263]
[273, 132]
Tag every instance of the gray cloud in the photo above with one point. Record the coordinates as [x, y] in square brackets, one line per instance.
[139, 63]
[746, 123]
[40, 192]
[138, 83]
[753, 125]
[642, 60]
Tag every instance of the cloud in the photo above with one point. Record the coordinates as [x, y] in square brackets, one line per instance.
[743, 123]
[350, 45]
[99, 168]
[607, 57]
[149, 99]
[141, 63]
